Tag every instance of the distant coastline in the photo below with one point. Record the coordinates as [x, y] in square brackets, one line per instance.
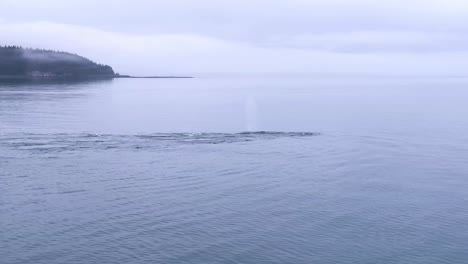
[88, 77]
[18, 63]
[151, 77]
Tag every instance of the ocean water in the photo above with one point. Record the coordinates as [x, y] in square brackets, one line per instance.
[220, 170]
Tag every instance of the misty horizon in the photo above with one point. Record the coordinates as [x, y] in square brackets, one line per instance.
[261, 38]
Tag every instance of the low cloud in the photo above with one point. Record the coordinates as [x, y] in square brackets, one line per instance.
[365, 52]
[262, 37]
[376, 42]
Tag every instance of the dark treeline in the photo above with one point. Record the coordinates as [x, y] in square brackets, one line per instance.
[26, 62]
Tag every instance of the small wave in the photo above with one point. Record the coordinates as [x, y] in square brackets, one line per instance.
[224, 137]
[288, 134]
[69, 141]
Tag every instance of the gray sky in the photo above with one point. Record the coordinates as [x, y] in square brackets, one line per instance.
[258, 37]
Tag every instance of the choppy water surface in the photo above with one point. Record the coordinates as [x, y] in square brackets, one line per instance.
[235, 171]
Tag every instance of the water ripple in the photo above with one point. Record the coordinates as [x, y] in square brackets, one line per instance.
[71, 142]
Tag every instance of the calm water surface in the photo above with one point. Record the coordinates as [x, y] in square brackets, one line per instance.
[350, 170]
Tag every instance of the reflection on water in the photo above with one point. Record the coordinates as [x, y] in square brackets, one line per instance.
[49, 83]
[159, 171]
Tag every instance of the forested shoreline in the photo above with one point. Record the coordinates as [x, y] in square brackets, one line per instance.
[19, 62]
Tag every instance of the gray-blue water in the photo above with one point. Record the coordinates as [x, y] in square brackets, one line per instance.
[158, 171]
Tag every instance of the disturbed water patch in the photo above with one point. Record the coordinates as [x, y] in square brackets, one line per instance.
[72, 142]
